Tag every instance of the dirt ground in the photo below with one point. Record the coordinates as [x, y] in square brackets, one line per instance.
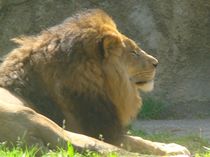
[184, 127]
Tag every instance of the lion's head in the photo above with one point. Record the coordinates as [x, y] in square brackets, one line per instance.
[140, 67]
[127, 68]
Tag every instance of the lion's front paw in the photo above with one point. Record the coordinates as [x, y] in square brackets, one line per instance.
[172, 149]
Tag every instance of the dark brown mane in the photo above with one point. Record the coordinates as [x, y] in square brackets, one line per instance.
[60, 56]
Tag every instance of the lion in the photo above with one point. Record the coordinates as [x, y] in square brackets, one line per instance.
[81, 77]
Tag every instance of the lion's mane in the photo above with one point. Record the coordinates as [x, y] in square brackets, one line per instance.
[64, 73]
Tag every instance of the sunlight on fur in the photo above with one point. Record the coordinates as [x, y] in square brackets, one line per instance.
[147, 87]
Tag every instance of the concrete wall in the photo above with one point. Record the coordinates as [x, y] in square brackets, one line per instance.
[177, 32]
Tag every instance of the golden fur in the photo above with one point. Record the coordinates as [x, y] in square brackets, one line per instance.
[85, 70]
[109, 76]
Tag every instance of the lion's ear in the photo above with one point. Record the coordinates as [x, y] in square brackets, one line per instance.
[112, 44]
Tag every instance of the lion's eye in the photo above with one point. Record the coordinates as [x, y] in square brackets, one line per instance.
[135, 53]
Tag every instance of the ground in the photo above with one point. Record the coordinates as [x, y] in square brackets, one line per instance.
[199, 127]
[193, 134]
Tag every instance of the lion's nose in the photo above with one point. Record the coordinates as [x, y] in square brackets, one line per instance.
[153, 60]
[155, 64]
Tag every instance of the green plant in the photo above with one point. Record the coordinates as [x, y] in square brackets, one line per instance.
[152, 109]
[16, 151]
[206, 154]
[19, 151]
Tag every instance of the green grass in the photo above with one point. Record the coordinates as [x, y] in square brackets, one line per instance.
[207, 154]
[152, 109]
[197, 146]
[17, 151]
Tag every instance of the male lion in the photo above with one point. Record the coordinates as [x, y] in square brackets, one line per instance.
[83, 71]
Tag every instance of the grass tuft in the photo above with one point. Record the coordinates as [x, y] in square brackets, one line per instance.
[18, 151]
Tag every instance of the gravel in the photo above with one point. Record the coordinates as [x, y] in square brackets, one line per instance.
[181, 127]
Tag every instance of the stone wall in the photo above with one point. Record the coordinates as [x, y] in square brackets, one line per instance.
[177, 32]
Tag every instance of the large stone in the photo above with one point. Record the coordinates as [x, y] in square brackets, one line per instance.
[177, 32]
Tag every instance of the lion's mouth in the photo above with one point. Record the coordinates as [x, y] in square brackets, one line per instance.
[141, 82]
[145, 85]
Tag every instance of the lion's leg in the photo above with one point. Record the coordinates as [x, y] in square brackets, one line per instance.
[138, 144]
